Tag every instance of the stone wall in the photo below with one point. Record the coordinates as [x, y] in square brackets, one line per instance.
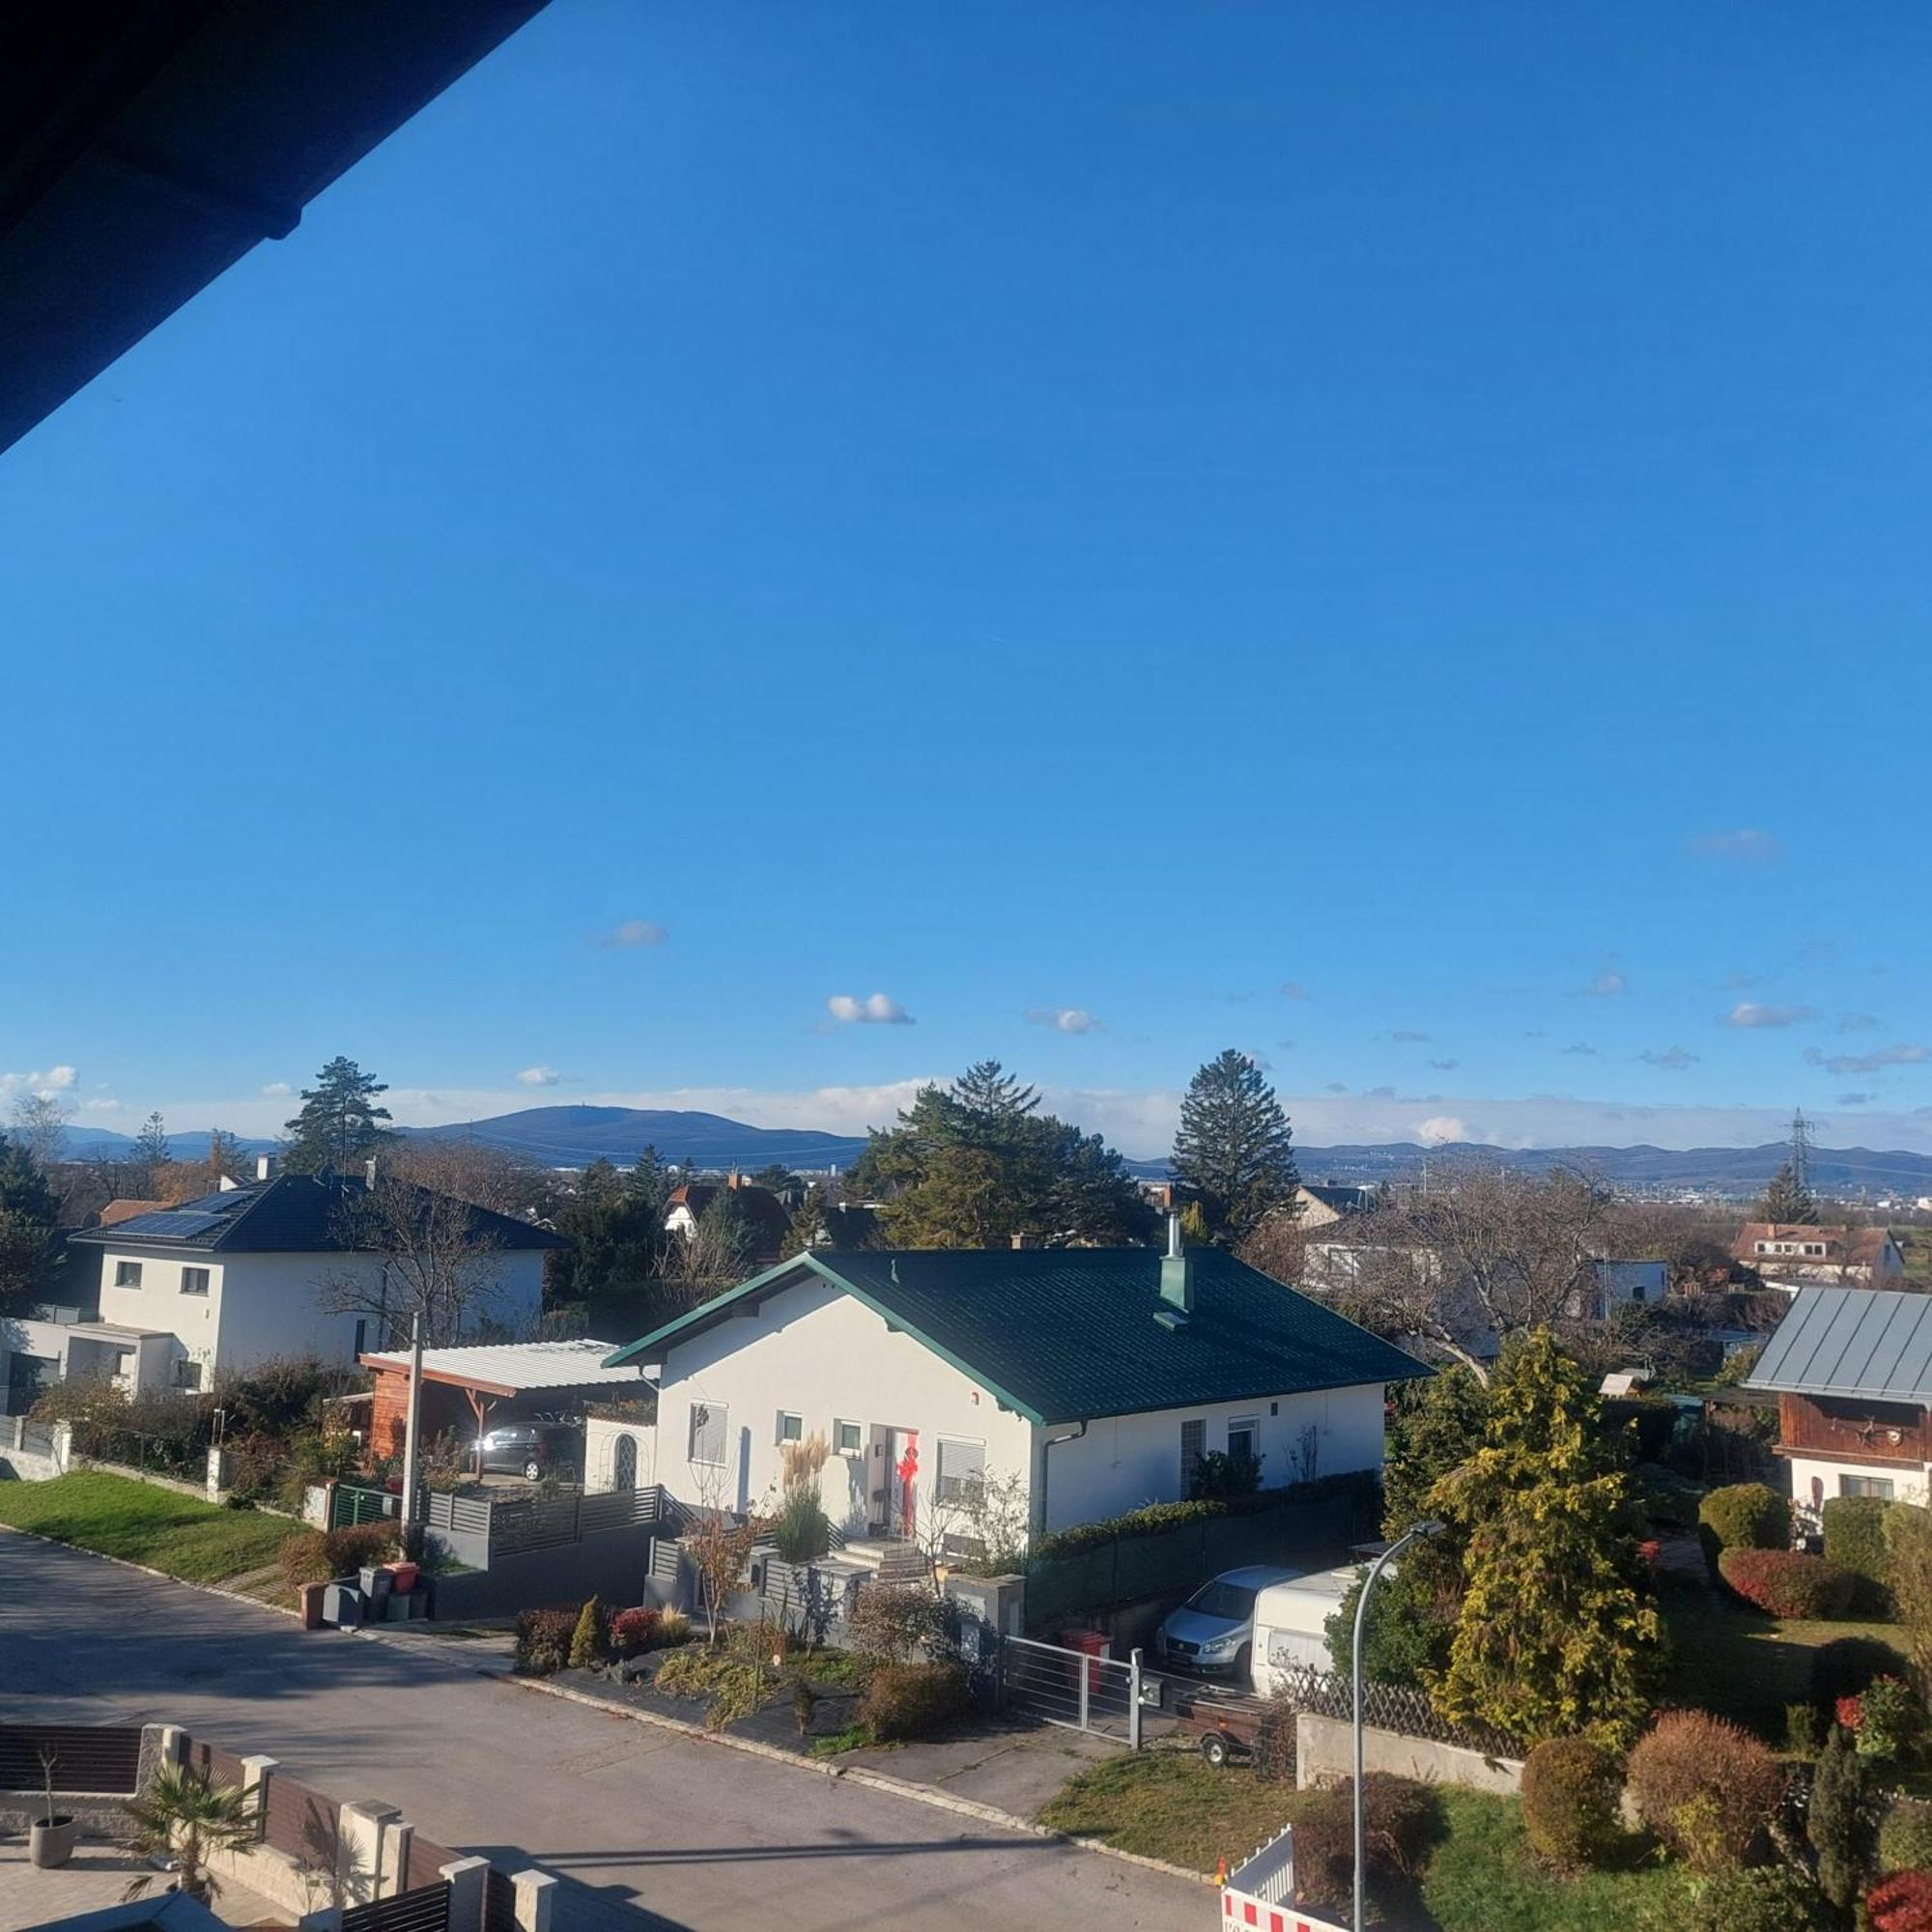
[1324, 1752]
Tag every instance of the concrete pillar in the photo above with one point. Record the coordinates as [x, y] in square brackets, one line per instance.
[217, 1471]
[255, 1774]
[395, 1863]
[358, 1852]
[469, 1892]
[154, 1752]
[535, 1892]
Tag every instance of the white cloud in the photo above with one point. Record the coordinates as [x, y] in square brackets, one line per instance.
[1673, 1058]
[1855, 1099]
[276, 1090]
[1294, 989]
[1408, 1036]
[1907, 1053]
[43, 1086]
[1857, 1023]
[1749, 1013]
[538, 1076]
[1445, 1065]
[1581, 1047]
[874, 1009]
[1606, 986]
[1439, 1128]
[103, 1103]
[1745, 846]
[1065, 1019]
[632, 932]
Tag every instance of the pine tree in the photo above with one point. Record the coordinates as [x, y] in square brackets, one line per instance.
[151, 1144]
[29, 1212]
[1839, 1820]
[1788, 1200]
[1556, 1634]
[340, 1123]
[1234, 1148]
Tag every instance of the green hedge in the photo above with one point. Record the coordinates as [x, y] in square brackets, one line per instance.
[1854, 1541]
[1156, 1518]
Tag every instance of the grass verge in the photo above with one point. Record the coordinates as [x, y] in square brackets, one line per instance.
[163, 1528]
[1171, 1805]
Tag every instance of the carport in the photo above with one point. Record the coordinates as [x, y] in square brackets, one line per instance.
[468, 1390]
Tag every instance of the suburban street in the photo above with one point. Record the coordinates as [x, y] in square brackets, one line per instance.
[644, 1828]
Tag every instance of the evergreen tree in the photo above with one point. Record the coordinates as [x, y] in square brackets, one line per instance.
[340, 1122]
[1788, 1200]
[615, 1223]
[973, 1164]
[1839, 1821]
[151, 1144]
[1557, 1633]
[29, 1212]
[1234, 1148]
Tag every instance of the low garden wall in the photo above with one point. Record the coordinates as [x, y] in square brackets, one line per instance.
[1325, 1752]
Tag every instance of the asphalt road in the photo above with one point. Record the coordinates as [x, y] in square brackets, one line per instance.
[645, 1828]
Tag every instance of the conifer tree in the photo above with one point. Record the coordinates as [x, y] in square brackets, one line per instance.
[1557, 1633]
[151, 1144]
[1787, 1200]
[340, 1121]
[29, 1212]
[1235, 1150]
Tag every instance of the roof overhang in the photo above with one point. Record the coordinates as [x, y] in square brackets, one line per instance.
[148, 145]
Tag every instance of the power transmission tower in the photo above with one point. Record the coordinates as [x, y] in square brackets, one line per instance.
[1801, 1151]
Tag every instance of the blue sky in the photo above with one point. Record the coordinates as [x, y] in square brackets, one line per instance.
[1112, 511]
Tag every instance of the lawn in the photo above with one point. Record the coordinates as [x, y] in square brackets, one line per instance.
[1170, 1805]
[144, 1524]
[1742, 1664]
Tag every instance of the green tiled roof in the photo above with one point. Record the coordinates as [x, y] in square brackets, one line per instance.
[1063, 1334]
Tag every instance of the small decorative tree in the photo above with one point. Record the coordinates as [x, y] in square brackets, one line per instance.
[590, 1641]
[184, 1816]
[1839, 1823]
[1558, 1635]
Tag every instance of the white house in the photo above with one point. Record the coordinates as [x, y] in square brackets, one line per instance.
[1097, 1378]
[1792, 1254]
[1851, 1371]
[247, 1273]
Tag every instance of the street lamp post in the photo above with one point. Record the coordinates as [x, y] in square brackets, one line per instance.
[1417, 1533]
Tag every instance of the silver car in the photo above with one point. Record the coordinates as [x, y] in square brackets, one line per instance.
[1213, 1633]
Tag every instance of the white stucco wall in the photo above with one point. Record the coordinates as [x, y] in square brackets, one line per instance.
[1125, 1461]
[262, 1305]
[1908, 1482]
[601, 1436]
[817, 1353]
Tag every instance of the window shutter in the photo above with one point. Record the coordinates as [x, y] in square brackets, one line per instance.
[1193, 1446]
[707, 1431]
[960, 1463]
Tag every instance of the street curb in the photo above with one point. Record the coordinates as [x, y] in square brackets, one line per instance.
[873, 1781]
[142, 1568]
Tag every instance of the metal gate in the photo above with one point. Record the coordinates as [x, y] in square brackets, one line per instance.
[423, 1910]
[351, 1506]
[1072, 1687]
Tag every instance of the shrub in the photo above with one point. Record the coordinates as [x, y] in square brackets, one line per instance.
[673, 1630]
[913, 1700]
[1668, 1500]
[1800, 1730]
[1787, 1582]
[1705, 1787]
[301, 1559]
[1854, 1541]
[1156, 1518]
[1570, 1792]
[320, 1556]
[1400, 1821]
[1273, 1746]
[902, 1621]
[802, 1534]
[1847, 1666]
[1218, 1475]
[734, 1680]
[1768, 1899]
[543, 1640]
[635, 1630]
[1839, 1821]
[1905, 1836]
[1890, 1719]
[1743, 1516]
[589, 1640]
[1901, 1903]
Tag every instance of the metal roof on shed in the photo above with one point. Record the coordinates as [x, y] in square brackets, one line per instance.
[1871, 1342]
[512, 1367]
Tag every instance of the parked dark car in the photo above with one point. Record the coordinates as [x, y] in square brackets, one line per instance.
[531, 1449]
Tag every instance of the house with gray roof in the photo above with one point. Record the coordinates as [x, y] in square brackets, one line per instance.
[1090, 1381]
[1851, 1371]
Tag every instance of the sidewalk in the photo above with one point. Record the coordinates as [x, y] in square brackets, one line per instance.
[97, 1876]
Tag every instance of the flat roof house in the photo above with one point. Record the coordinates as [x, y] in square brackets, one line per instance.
[1851, 1371]
[236, 1277]
[1096, 1378]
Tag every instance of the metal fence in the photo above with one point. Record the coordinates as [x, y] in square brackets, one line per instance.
[1072, 1687]
[511, 1523]
[104, 1758]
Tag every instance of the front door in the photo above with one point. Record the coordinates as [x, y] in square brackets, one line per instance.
[892, 1480]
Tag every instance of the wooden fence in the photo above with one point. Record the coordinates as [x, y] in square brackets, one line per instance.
[104, 1758]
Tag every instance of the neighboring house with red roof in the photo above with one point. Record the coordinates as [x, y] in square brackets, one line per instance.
[764, 1213]
[1792, 1255]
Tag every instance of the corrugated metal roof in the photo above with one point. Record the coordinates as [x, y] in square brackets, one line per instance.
[1068, 1333]
[1872, 1342]
[518, 1365]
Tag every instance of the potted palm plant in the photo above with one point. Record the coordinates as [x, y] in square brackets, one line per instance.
[183, 1817]
[50, 1839]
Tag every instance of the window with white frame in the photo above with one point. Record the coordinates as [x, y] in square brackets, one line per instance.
[1245, 1439]
[194, 1281]
[962, 1467]
[791, 1426]
[126, 1274]
[849, 1439]
[706, 1440]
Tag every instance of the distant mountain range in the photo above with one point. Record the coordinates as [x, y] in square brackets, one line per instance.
[575, 1136]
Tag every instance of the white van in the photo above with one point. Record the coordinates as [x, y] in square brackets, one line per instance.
[1291, 1620]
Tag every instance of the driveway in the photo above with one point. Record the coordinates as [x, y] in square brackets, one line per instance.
[646, 1828]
